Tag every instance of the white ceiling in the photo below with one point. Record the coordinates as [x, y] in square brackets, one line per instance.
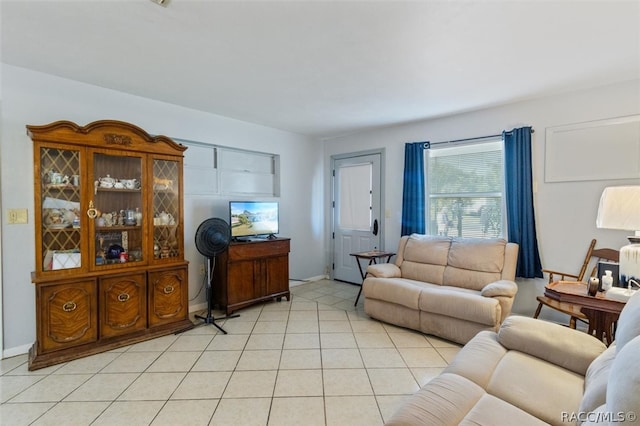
[326, 68]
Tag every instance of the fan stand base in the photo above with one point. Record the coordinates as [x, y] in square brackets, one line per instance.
[209, 319]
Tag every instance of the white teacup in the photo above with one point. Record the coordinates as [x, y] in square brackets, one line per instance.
[118, 185]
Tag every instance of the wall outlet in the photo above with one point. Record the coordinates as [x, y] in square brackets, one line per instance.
[16, 216]
[202, 269]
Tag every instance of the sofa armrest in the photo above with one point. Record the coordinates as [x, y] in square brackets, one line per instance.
[384, 270]
[504, 288]
[559, 345]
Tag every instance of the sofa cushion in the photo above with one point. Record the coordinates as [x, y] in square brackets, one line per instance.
[467, 278]
[424, 258]
[445, 400]
[451, 328]
[598, 416]
[433, 274]
[595, 381]
[460, 303]
[394, 290]
[534, 385]
[624, 380]
[629, 322]
[392, 313]
[478, 359]
[474, 262]
[450, 399]
[490, 410]
[623, 398]
[478, 254]
[427, 249]
[551, 342]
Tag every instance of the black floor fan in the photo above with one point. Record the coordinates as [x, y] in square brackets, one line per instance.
[212, 238]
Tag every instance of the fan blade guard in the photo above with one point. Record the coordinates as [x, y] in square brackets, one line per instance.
[213, 237]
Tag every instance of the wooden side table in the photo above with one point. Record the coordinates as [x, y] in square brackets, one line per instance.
[601, 312]
[372, 257]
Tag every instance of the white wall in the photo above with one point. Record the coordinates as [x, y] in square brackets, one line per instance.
[565, 212]
[34, 98]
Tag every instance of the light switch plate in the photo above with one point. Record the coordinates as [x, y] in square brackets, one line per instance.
[16, 216]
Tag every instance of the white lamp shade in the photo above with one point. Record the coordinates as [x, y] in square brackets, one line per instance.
[619, 208]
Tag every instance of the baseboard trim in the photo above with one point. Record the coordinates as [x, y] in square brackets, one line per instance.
[18, 350]
[293, 283]
[198, 307]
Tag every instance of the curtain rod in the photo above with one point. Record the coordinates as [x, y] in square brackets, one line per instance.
[471, 139]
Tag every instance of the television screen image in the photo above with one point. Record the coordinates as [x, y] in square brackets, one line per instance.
[253, 218]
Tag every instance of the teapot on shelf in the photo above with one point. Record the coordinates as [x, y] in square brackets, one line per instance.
[106, 182]
[166, 218]
[131, 183]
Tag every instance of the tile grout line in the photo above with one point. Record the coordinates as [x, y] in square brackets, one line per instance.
[352, 315]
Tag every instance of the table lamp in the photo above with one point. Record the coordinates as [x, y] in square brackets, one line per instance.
[620, 209]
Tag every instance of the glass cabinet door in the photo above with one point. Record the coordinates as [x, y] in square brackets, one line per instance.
[60, 199]
[166, 209]
[117, 206]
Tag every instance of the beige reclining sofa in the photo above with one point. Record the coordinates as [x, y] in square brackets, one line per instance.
[449, 287]
[533, 372]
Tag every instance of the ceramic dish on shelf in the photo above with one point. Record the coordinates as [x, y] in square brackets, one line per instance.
[59, 225]
[58, 186]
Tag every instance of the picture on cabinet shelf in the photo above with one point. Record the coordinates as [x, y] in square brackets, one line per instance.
[107, 240]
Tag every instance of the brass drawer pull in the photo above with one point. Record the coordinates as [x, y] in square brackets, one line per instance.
[123, 297]
[69, 306]
[168, 289]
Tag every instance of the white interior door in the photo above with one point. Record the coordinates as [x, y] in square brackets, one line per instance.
[356, 212]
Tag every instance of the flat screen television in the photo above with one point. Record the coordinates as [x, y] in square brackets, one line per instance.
[253, 219]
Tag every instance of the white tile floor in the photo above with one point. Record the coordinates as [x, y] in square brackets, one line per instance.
[315, 360]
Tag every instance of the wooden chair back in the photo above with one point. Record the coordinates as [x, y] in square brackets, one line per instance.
[603, 254]
[587, 260]
[590, 264]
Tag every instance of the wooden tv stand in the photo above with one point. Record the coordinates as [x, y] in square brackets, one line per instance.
[250, 272]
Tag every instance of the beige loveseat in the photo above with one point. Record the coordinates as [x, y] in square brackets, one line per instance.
[534, 372]
[449, 287]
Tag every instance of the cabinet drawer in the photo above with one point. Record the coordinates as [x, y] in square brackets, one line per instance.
[168, 296]
[257, 250]
[69, 315]
[123, 303]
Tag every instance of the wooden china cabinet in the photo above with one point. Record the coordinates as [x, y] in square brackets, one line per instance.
[110, 268]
